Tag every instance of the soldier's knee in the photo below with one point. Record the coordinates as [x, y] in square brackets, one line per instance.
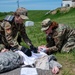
[66, 50]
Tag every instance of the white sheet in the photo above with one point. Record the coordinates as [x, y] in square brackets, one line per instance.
[29, 71]
[30, 60]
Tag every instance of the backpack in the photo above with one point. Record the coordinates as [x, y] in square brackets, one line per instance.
[9, 18]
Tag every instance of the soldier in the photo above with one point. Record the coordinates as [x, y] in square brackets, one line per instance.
[59, 37]
[11, 41]
[14, 25]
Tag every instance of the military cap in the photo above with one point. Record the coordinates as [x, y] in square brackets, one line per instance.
[45, 24]
[22, 12]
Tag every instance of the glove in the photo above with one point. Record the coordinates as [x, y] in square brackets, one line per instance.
[26, 51]
[33, 49]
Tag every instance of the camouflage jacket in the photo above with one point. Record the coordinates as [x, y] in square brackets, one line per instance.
[10, 31]
[60, 36]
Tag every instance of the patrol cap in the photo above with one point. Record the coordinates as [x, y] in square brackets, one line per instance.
[45, 24]
[22, 12]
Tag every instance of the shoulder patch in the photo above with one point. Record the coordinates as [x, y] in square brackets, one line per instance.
[7, 25]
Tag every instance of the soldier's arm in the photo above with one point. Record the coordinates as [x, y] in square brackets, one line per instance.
[58, 41]
[1, 44]
[1, 47]
[24, 35]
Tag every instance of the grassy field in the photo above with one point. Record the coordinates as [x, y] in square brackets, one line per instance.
[38, 37]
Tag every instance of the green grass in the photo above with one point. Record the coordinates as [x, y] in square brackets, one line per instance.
[38, 37]
[37, 15]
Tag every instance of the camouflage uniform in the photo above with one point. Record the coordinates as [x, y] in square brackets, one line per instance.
[64, 39]
[10, 31]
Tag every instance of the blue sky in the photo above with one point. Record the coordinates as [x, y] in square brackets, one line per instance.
[11, 5]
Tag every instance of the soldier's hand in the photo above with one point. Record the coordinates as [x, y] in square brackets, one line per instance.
[4, 50]
[42, 48]
[33, 49]
[55, 70]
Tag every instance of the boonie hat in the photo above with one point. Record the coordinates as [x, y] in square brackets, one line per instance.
[22, 12]
[45, 24]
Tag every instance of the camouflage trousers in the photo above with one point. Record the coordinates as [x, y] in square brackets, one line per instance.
[70, 43]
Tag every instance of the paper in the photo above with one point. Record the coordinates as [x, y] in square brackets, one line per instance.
[29, 71]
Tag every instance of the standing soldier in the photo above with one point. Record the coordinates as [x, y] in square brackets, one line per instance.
[14, 25]
[59, 37]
